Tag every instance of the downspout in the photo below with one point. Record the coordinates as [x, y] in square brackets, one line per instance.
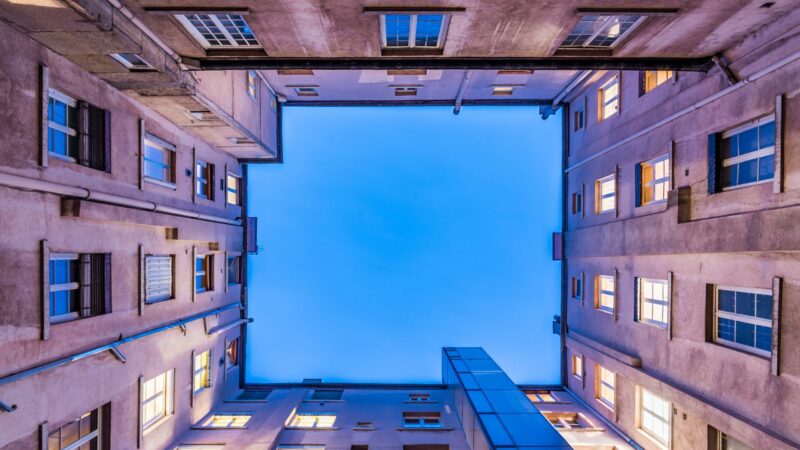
[49, 187]
[461, 89]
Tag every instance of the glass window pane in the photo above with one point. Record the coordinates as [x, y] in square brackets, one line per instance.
[746, 303]
[764, 306]
[748, 171]
[726, 300]
[729, 147]
[766, 167]
[745, 334]
[766, 135]
[764, 338]
[725, 329]
[748, 141]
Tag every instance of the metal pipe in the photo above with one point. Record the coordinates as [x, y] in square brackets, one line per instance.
[750, 79]
[461, 89]
[50, 187]
[607, 422]
[227, 327]
[111, 346]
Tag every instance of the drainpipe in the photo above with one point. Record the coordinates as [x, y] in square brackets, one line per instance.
[461, 89]
[548, 110]
[49, 187]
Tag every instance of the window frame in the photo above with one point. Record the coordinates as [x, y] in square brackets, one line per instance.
[600, 383]
[163, 297]
[641, 410]
[203, 371]
[541, 396]
[755, 321]
[71, 286]
[641, 300]
[144, 66]
[577, 202]
[576, 369]
[652, 184]
[168, 393]
[412, 31]
[97, 434]
[238, 271]
[739, 159]
[577, 287]
[204, 185]
[643, 80]
[294, 421]
[235, 191]
[198, 35]
[207, 273]
[208, 422]
[578, 125]
[169, 152]
[422, 420]
[599, 195]
[603, 102]
[607, 22]
[601, 293]
[232, 362]
[69, 102]
[252, 84]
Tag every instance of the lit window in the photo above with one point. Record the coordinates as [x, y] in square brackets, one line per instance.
[419, 397]
[132, 61]
[219, 30]
[327, 394]
[306, 91]
[728, 442]
[422, 420]
[608, 99]
[159, 160]
[605, 194]
[654, 78]
[578, 119]
[158, 278]
[405, 91]
[201, 372]
[299, 447]
[606, 386]
[204, 271]
[577, 202]
[654, 180]
[577, 366]
[227, 420]
[654, 416]
[652, 298]
[200, 447]
[564, 421]
[540, 396]
[743, 318]
[313, 420]
[605, 290]
[577, 288]
[62, 127]
[232, 354]
[84, 432]
[234, 270]
[156, 399]
[252, 84]
[233, 190]
[204, 180]
[77, 286]
[502, 90]
[400, 31]
[601, 31]
[748, 154]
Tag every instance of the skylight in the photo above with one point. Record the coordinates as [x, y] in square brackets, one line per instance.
[600, 31]
[412, 30]
[219, 30]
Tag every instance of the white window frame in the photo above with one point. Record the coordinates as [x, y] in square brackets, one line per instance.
[642, 300]
[604, 102]
[232, 44]
[412, 30]
[577, 366]
[76, 285]
[607, 21]
[203, 185]
[640, 417]
[202, 371]
[611, 387]
[749, 156]
[655, 182]
[207, 273]
[208, 422]
[165, 147]
[600, 195]
[605, 298]
[541, 396]
[252, 84]
[671, 74]
[756, 321]
[167, 393]
[71, 103]
[148, 278]
[144, 65]
[296, 420]
[94, 434]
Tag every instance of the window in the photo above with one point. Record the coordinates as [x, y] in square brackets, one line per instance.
[652, 299]
[252, 84]
[78, 285]
[743, 318]
[600, 31]
[728, 442]
[234, 271]
[84, 432]
[577, 287]
[253, 396]
[405, 31]
[540, 396]
[159, 160]
[577, 366]
[204, 180]
[605, 194]
[502, 90]
[405, 91]
[651, 79]
[606, 385]
[299, 447]
[419, 397]
[654, 416]
[654, 180]
[608, 99]
[200, 447]
[313, 420]
[156, 399]
[158, 275]
[422, 420]
[232, 354]
[306, 91]
[219, 30]
[204, 273]
[233, 190]
[201, 371]
[566, 420]
[748, 154]
[327, 394]
[577, 202]
[227, 420]
[62, 128]
[605, 292]
[132, 61]
[578, 119]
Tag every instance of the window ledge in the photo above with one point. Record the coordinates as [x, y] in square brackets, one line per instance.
[428, 402]
[610, 312]
[156, 424]
[323, 401]
[364, 428]
[236, 400]
[164, 184]
[312, 428]
[425, 429]
[200, 427]
[741, 350]
[153, 302]
[412, 51]
[658, 326]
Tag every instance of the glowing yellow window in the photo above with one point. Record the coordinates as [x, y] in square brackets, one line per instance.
[654, 78]
[227, 420]
[313, 420]
[202, 370]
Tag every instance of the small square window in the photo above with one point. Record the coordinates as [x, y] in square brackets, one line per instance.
[227, 420]
[306, 91]
[132, 61]
[577, 202]
[313, 420]
[655, 416]
[422, 420]
[577, 287]
[601, 31]
[327, 394]
[651, 79]
[743, 318]
[654, 180]
[413, 31]
[577, 366]
[540, 396]
[605, 194]
[159, 160]
[502, 90]
[578, 119]
[405, 91]
[219, 30]
[652, 301]
[234, 270]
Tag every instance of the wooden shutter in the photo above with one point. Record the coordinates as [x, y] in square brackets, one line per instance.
[44, 434]
[616, 294]
[714, 163]
[98, 138]
[45, 286]
[583, 289]
[84, 140]
[637, 189]
[636, 299]
[212, 190]
[85, 280]
[225, 269]
[777, 288]
[709, 313]
[44, 100]
[141, 153]
[672, 164]
[194, 175]
[616, 192]
[211, 364]
[101, 283]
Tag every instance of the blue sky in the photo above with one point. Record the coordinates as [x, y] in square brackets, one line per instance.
[390, 232]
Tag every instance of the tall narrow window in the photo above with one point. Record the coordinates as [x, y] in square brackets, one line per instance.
[600, 31]
[204, 180]
[84, 432]
[577, 366]
[78, 285]
[232, 354]
[605, 292]
[654, 416]
[201, 371]
[252, 84]
[62, 128]
[608, 99]
[605, 194]
[406, 31]
[219, 30]
[577, 288]
[578, 119]
[654, 180]
[652, 297]
[204, 271]
[233, 190]
[234, 270]
[159, 160]
[606, 386]
[743, 318]
[156, 399]
[158, 276]
[748, 154]
[577, 202]
[651, 79]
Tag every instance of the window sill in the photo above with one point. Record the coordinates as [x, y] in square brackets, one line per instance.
[218, 428]
[153, 302]
[412, 51]
[605, 405]
[425, 429]
[741, 350]
[156, 424]
[164, 184]
[426, 402]
[747, 185]
[236, 400]
[651, 439]
[610, 312]
[312, 429]
[656, 325]
[311, 400]
[364, 428]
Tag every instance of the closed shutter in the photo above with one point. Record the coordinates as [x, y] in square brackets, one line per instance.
[635, 299]
[100, 295]
[83, 133]
[98, 137]
[158, 278]
[638, 186]
[85, 269]
[714, 163]
[211, 368]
